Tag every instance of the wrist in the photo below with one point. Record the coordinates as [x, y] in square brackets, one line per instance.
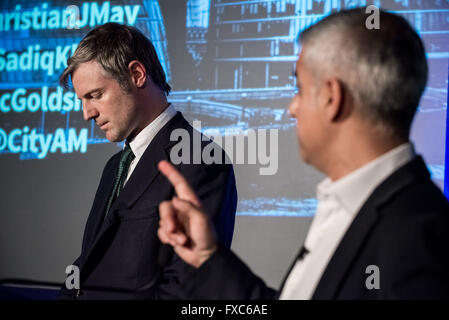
[205, 255]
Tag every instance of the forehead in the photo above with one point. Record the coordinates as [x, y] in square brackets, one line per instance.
[302, 70]
[88, 76]
[298, 65]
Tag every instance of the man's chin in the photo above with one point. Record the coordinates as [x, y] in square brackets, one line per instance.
[112, 138]
[303, 155]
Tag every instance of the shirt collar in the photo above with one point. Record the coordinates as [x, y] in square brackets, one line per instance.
[140, 142]
[354, 189]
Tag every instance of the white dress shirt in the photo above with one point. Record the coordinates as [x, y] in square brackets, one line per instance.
[140, 142]
[338, 203]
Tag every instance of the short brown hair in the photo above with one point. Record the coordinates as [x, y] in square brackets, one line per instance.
[114, 46]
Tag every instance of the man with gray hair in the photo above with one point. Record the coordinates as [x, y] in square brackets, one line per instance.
[381, 227]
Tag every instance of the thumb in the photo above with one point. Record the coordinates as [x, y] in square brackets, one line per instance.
[187, 211]
[181, 205]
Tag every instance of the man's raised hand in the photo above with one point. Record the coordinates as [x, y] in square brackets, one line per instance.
[183, 223]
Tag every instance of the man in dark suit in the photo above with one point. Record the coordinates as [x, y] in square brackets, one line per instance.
[116, 73]
[381, 227]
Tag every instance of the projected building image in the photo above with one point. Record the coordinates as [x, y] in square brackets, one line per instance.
[230, 64]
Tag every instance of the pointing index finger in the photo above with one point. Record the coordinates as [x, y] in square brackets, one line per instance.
[182, 187]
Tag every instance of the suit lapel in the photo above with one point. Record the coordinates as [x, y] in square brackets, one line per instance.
[302, 252]
[142, 177]
[101, 199]
[346, 252]
[146, 170]
[352, 243]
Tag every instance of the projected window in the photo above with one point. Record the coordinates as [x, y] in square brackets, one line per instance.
[230, 65]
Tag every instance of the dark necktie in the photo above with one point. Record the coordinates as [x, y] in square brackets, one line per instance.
[122, 171]
[302, 253]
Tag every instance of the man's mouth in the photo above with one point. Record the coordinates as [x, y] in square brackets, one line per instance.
[103, 125]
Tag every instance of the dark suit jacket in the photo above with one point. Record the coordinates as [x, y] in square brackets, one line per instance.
[121, 253]
[403, 229]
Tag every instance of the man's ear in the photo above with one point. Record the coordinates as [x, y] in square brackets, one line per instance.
[138, 73]
[334, 95]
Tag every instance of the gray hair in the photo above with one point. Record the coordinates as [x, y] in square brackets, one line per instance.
[384, 70]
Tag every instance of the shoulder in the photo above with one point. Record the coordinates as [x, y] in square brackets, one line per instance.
[112, 162]
[409, 194]
[409, 212]
[414, 223]
[193, 151]
[421, 200]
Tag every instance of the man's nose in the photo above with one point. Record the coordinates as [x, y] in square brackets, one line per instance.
[89, 112]
[292, 107]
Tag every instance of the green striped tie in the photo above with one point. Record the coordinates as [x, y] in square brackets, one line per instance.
[122, 171]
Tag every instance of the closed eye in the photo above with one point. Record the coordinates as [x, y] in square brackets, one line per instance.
[97, 95]
[94, 94]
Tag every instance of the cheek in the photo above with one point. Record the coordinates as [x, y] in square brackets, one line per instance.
[301, 130]
[118, 110]
[305, 124]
